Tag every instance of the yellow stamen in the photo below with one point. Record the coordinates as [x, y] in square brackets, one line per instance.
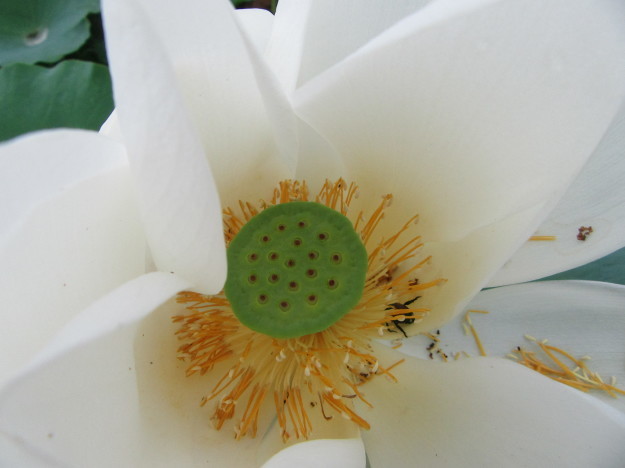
[327, 367]
[542, 238]
[578, 375]
[469, 325]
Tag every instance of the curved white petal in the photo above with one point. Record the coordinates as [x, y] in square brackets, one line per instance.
[342, 453]
[178, 199]
[257, 24]
[583, 318]
[69, 233]
[204, 63]
[597, 199]
[467, 263]
[486, 412]
[473, 114]
[311, 36]
[79, 401]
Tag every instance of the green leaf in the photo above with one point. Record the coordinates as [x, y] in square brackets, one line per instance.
[610, 268]
[269, 5]
[72, 94]
[42, 30]
[94, 50]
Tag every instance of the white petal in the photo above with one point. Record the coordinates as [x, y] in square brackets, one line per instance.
[486, 412]
[69, 233]
[278, 109]
[597, 199]
[307, 154]
[463, 111]
[176, 428]
[80, 402]
[472, 114]
[111, 127]
[179, 203]
[342, 453]
[257, 24]
[581, 317]
[14, 453]
[206, 58]
[311, 36]
[467, 263]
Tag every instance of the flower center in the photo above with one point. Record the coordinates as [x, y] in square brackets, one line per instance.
[308, 288]
[295, 269]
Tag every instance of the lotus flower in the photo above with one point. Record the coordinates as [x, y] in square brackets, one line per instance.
[475, 115]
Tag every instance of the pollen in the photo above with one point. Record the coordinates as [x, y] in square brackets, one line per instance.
[304, 376]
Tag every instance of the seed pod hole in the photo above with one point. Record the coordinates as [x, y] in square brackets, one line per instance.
[311, 273]
[332, 284]
[323, 236]
[281, 227]
[273, 278]
[262, 298]
[252, 257]
[336, 258]
[273, 256]
[293, 286]
[301, 224]
[297, 242]
[252, 279]
[284, 305]
[313, 255]
[265, 238]
[312, 299]
[290, 263]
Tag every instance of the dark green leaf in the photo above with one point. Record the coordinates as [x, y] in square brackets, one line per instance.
[94, 50]
[72, 94]
[42, 30]
[610, 268]
[263, 4]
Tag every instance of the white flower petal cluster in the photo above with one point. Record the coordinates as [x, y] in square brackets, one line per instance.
[492, 119]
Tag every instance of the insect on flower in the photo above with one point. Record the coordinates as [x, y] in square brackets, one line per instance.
[405, 318]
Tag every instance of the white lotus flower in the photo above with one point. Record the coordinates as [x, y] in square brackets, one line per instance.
[476, 115]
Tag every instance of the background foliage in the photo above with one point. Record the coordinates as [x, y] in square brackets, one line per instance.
[53, 73]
